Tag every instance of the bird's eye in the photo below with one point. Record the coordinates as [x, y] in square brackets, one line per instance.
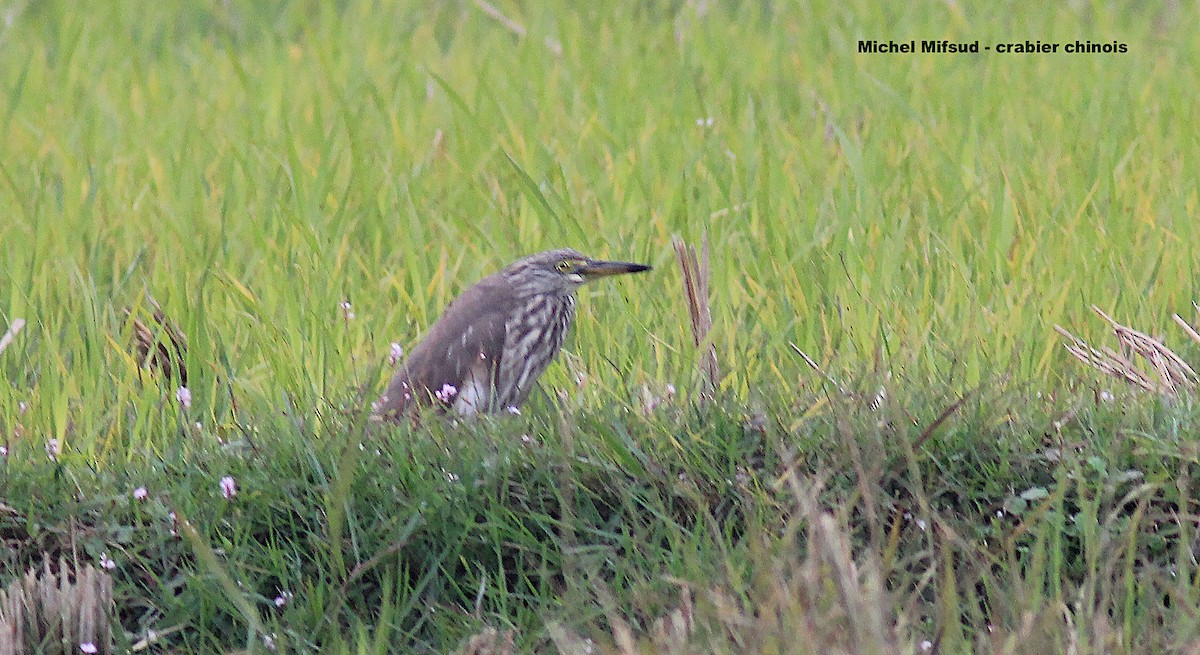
[563, 266]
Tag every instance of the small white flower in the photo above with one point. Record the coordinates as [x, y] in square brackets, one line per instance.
[53, 449]
[670, 390]
[347, 310]
[22, 407]
[446, 393]
[88, 647]
[926, 646]
[184, 396]
[921, 524]
[704, 122]
[283, 598]
[140, 493]
[107, 562]
[396, 354]
[3, 451]
[151, 635]
[269, 642]
[228, 487]
[512, 409]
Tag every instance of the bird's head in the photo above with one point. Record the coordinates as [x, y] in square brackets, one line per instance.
[562, 271]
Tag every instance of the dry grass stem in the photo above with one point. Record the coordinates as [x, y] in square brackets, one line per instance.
[11, 334]
[489, 642]
[1168, 374]
[552, 44]
[696, 274]
[52, 613]
[1191, 331]
[672, 631]
[569, 643]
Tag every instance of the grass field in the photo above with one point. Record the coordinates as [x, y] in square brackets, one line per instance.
[950, 481]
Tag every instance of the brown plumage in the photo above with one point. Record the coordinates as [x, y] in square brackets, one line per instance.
[493, 342]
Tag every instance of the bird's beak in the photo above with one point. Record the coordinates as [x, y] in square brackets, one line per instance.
[594, 269]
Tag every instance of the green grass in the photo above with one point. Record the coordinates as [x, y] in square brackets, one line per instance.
[916, 223]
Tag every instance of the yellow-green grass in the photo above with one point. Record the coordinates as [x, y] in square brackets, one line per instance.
[917, 223]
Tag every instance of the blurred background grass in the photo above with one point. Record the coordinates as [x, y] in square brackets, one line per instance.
[253, 165]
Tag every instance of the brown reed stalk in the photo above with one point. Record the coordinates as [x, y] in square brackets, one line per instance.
[696, 273]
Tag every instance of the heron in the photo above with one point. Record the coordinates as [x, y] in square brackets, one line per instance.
[492, 342]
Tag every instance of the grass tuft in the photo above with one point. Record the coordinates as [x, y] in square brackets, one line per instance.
[63, 609]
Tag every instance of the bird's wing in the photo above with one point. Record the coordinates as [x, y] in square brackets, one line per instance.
[460, 355]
